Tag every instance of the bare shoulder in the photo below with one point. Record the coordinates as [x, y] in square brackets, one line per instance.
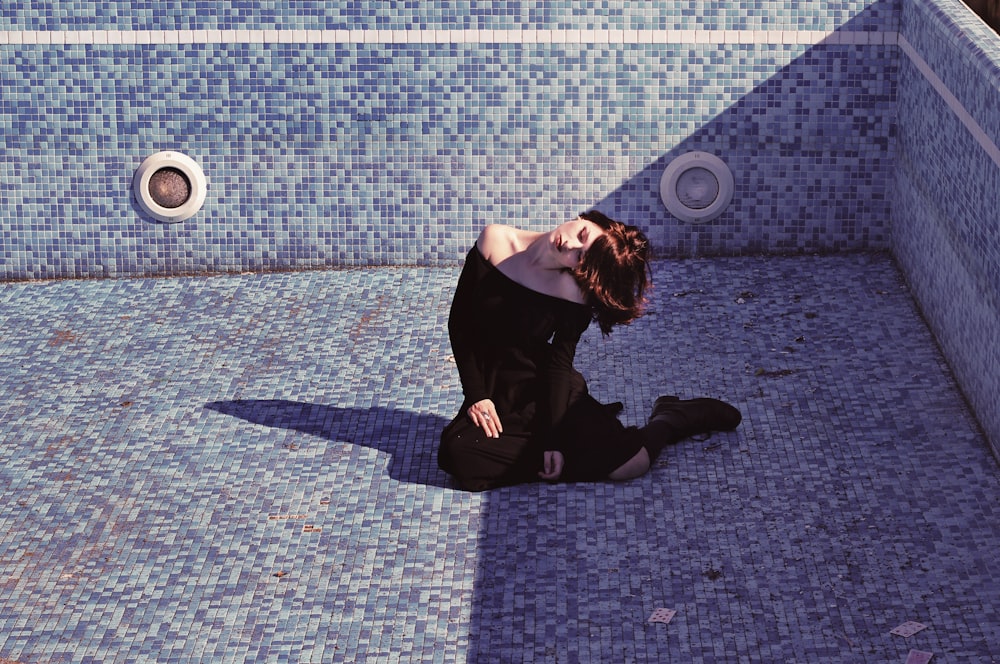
[504, 246]
[498, 242]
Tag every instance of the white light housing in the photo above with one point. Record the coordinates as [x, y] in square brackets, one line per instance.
[170, 186]
[696, 187]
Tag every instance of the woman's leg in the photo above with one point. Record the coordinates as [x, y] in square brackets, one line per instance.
[478, 462]
[634, 467]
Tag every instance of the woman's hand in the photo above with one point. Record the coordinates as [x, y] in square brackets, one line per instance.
[552, 465]
[484, 415]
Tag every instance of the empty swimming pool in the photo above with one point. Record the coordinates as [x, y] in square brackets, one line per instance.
[240, 467]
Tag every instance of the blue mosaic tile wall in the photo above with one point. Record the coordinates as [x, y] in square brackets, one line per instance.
[330, 138]
[946, 226]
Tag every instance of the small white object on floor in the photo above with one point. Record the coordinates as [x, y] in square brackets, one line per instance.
[662, 615]
[919, 657]
[908, 629]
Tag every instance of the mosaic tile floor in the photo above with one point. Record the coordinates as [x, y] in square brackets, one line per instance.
[242, 468]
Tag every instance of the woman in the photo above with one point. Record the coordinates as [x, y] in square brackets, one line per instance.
[523, 300]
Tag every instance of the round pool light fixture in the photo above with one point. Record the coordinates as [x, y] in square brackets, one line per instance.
[696, 187]
[170, 186]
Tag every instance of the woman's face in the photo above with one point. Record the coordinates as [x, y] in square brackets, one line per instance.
[571, 240]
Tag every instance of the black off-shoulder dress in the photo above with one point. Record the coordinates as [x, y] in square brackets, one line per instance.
[516, 346]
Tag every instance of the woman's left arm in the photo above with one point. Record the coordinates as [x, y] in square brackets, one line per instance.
[559, 380]
[559, 371]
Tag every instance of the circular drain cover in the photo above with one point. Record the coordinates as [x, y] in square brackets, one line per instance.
[169, 187]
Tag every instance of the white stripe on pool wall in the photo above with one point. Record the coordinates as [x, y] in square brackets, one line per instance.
[953, 103]
[431, 36]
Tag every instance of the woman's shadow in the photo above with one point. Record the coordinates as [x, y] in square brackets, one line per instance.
[410, 439]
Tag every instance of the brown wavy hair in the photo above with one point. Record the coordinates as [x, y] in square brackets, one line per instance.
[614, 272]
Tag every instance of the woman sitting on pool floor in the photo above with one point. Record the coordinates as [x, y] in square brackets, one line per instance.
[522, 302]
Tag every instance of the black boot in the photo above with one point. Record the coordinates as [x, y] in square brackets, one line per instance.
[694, 416]
[674, 419]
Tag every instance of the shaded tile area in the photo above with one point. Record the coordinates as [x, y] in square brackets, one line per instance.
[944, 226]
[242, 467]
